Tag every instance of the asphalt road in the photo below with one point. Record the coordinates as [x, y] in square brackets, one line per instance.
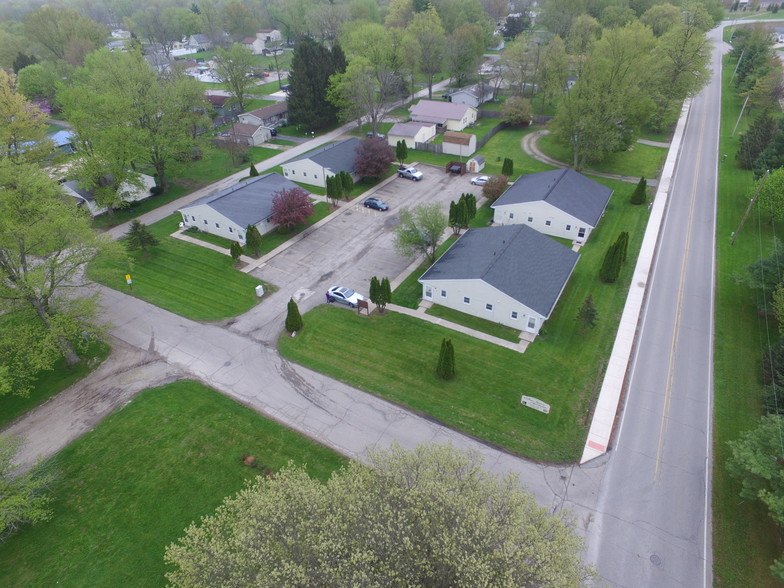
[652, 526]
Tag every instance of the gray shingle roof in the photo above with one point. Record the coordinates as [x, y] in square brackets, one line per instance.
[407, 129]
[564, 189]
[440, 110]
[519, 261]
[335, 157]
[248, 202]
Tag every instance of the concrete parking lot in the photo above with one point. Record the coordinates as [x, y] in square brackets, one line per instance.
[350, 248]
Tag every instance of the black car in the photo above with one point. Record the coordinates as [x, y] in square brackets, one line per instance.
[375, 203]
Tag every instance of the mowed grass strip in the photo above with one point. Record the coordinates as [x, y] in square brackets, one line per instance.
[394, 356]
[745, 540]
[132, 485]
[184, 278]
[476, 323]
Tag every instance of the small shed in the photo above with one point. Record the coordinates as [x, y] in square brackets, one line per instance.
[476, 164]
[456, 143]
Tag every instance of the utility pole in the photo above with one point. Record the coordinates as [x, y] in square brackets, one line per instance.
[748, 208]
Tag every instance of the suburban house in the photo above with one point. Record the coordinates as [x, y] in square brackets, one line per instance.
[411, 132]
[118, 45]
[475, 164]
[199, 42]
[509, 275]
[314, 167]
[269, 116]
[269, 36]
[86, 198]
[228, 213]
[254, 44]
[474, 96]
[560, 202]
[253, 135]
[220, 104]
[63, 140]
[448, 115]
[454, 143]
[158, 61]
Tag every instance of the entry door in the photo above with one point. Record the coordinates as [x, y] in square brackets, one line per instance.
[581, 233]
[531, 325]
[428, 293]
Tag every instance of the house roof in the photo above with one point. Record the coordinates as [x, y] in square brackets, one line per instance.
[335, 157]
[216, 99]
[248, 202]
[478, 158]
[475, 90]
[457, 138]
[200, 38]
[436, 111]
[61, 138]
[246, 129]
[249, 40]
[565, 189]
[271, 110]
[517, 260]
[407, 129]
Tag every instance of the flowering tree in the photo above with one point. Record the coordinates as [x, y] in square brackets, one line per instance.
[291, 206]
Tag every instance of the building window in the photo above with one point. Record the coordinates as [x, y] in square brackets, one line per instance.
[466, 299]
[511, 215]
[205, 221]
[548, 223]
[514, 314]
[531, 322]
[286, 172]
[193, 218]
[231, 230]
[568, 227]
[489, 307]
[217, 226]
[304, 174]
[530, 219]
[240, 235]
[443, 293]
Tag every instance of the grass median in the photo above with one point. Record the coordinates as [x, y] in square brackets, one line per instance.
[131, 486]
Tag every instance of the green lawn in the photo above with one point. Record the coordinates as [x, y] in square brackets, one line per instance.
[745, 541]
[641, 160]
[132, 485]
[476, 323]
[563, 366]
[281, 142]
[52, 383]
[181, 277]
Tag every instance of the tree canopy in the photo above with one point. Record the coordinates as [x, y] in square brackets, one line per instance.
[420, 230]
[291, 206]
[311, 67]
[233, 67]
[431, 517]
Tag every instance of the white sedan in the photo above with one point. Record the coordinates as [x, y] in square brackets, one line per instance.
[480, 180]
[345, 296]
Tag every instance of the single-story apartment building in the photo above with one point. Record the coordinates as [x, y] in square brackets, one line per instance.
[328, 160]
[269, 116]
[448, 115]
[85, 198]
[474, 96]
[228, 213]
[455, 143]
[560, 202]
[411, 132]
[511, 275]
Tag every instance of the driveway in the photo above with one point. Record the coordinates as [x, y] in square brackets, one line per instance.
[348, 250]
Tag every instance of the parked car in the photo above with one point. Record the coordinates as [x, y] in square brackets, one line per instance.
[480, 180]
[375, 203]
[411, 173]
[345, 296]
[370, 134]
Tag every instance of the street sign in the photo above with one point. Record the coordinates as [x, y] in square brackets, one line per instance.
[535, 403]
[128, 279]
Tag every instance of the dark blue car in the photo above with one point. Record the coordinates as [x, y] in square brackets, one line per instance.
[375, 203]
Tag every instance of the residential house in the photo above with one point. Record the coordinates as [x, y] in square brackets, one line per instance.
[253, 135]
[269, 116]
[411, 132]
[228, 213]
[561, 202]
[448, 115]
[454, 143]
[118, 45]
[474, 96]
[199, 42]
[86, 198]
[63, 140]
[254, 44]
[510, 275]
[314, 167]
[158, 61]
[121, 34]
[476, 164]
[269, 36]
[221, 104]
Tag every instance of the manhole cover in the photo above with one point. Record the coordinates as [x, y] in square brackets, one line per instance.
[226, 363]
[656, 560]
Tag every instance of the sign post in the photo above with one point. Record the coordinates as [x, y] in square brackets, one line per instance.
[129, 280]
[535, 403]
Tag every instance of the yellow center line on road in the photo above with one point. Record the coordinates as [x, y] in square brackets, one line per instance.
[678, 309]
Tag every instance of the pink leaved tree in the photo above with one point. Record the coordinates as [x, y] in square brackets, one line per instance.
[290, 207]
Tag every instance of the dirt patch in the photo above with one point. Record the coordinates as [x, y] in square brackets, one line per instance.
[78, 409]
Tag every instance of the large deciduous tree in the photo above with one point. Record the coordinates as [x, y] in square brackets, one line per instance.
[22, 125]
[420, 230]
[465, 47]
[23, 495]
[429, 38]
[431, 517]
[291, 206]
[311, 67]
[45, 244]
[64, 33]
[233, 67]
[374, 156]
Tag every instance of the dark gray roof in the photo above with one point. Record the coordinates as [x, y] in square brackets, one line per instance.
[519, 261]
[335, 157]
[248, 202]
[564, 189]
